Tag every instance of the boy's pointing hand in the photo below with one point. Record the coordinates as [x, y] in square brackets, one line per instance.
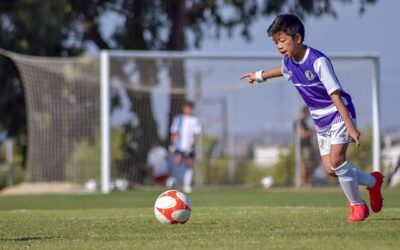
[250, 77]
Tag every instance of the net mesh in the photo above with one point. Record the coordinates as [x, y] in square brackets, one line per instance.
[62, 97]
[64, 113]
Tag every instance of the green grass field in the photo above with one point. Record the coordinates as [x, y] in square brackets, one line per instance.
[221, 219]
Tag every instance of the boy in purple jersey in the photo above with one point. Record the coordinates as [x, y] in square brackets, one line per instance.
[331, 108]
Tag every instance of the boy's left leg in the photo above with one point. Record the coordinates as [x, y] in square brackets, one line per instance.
[375, 195]
[187, 176]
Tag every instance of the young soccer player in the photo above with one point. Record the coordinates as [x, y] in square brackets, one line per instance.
[184, 130]
[331, 108]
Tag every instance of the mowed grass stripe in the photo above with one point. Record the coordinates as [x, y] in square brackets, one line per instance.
[322, 197]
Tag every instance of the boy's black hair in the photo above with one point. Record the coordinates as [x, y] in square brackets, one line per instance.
[188, 103]
[290, 24]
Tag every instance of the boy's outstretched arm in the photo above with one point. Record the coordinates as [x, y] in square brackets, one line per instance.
[352, 130]
[267, 74]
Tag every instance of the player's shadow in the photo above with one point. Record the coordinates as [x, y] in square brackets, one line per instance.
[387, 219]
[27, 238]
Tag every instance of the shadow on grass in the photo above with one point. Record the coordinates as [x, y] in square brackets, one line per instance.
[387, 219]
[27, 238]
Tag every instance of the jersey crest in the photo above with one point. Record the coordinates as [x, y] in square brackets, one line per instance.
[309, 75]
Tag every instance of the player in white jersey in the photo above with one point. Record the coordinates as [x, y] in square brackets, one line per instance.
[331, 108]
[184, 130]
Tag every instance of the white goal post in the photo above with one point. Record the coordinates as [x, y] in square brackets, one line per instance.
[107, 55]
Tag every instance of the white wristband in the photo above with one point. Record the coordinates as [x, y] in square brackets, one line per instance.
[259, 77]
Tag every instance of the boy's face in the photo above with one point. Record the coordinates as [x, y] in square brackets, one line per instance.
[187, 109]
[287, 45]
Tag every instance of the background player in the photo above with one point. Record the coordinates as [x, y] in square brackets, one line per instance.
[308, 158]
[184, 130]
[330, 106]
[157, 160]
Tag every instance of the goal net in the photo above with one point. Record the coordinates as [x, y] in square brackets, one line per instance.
[63, 107]
[84, 113]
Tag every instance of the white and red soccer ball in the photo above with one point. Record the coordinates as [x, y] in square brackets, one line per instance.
[172, 207]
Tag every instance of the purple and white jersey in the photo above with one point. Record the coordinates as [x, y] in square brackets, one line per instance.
[315, 80]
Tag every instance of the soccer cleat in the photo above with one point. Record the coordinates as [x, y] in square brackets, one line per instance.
[358, 212]
[375, 195]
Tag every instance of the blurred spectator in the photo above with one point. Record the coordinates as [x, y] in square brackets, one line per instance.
[157, 159]
[394, 175]
[309, 158]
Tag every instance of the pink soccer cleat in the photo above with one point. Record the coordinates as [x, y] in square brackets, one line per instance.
[358, 213]
[375, 195]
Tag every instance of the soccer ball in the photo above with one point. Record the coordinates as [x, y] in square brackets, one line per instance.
[172, 207]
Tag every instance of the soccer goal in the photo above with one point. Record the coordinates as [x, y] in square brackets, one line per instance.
[239, 117]
[96, 118]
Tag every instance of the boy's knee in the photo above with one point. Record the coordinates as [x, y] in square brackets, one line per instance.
[328, 169]
[337, 161]
[331, 173]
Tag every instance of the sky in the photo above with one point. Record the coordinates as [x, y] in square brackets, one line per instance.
[272, 109]
[374, 31]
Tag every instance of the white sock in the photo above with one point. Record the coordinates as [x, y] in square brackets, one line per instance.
[363, 178]
[187, 177]
[348, 181]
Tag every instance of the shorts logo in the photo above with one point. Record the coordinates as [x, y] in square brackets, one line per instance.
[309, 75]
[323, 143]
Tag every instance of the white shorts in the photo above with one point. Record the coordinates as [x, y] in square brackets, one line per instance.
[336, 134]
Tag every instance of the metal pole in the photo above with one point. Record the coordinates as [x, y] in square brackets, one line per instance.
[297, 145]
[105, 122]
[297, 151]
[224, 120]
[200, 149]
[376, 133]
[9, 144]
[231, 141]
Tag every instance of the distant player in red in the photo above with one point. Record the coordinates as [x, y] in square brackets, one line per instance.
[157, 161]
[331, 108]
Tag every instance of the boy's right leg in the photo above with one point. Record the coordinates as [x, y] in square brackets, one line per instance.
[187, 177]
